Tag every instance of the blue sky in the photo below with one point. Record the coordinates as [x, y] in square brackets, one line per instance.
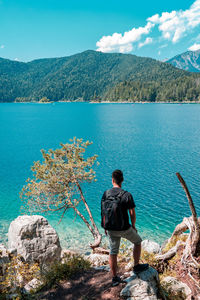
[53, 28]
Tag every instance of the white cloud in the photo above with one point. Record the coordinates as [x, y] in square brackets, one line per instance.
[194, 47]
[154, 19]
[2, 46]
[164, 17]
[123, 43]
[148, 41]
[174, 25]
[163, 46]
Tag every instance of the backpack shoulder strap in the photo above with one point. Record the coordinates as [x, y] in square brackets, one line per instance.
[107, 194]
[122, 193]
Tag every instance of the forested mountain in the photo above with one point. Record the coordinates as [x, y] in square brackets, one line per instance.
[88, 76]
[189, 61]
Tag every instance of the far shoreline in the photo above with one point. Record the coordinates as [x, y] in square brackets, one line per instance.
[146, 102]
[105, 102]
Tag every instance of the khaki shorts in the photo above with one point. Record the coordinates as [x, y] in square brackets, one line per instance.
[115, 237]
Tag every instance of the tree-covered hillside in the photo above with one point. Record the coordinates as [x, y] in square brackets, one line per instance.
[186, 88]
[89, 75]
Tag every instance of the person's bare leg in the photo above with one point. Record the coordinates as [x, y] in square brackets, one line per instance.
[136, 254]
[113, 264]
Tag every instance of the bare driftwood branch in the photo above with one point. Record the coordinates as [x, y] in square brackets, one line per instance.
[180, 228]
[192, 208]
[168, 255]
[190, 249]
[101, 250]
[193, 242]
[195, 281]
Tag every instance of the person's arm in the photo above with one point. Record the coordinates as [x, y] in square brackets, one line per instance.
[103, 197]
[133, 217]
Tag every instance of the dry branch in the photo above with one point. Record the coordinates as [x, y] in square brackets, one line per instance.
[191, 247]
[168, 255]
[193, 241]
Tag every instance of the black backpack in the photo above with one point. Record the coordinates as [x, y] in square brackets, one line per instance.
[111, 211]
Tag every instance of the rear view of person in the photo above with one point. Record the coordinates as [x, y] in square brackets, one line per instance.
[115, 205]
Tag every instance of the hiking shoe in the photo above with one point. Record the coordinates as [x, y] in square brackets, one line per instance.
[116, 281]
[140, 268]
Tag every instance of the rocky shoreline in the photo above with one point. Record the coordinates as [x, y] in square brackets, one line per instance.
[34, 241]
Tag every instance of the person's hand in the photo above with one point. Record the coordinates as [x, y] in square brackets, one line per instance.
[134, 228]
[106, 232]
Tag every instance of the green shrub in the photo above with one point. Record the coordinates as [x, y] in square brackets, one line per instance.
[61, 271]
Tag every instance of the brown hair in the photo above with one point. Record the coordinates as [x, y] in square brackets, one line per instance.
[117, 176]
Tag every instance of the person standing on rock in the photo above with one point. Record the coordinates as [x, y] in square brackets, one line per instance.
[115, 205]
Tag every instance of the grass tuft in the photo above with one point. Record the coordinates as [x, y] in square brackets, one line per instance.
[72, 265]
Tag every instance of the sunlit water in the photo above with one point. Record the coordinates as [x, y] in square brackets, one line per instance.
[149, 142]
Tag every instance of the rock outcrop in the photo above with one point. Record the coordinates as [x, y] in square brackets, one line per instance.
[98, 259]
[32, 285]
[176, 287]
[150, 246]
[34, 239]
[143, 286]
[4, 258]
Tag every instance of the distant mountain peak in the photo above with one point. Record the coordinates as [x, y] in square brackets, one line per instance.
[189, 61]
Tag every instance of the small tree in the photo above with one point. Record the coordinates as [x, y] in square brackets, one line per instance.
[56, 183]
[44, 99]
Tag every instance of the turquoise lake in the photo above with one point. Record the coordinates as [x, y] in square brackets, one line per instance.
[149, 142]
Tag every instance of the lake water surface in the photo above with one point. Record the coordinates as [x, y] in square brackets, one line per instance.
[149, 142]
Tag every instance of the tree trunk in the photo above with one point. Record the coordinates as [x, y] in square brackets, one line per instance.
[96, 234]
[84, 220]
[194, 238]
[97, 239]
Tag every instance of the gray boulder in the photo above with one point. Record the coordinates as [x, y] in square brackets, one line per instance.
[150, 246]
[4, 259]
[142, 286]
[98, 259]
[176, 287]
[34, 239]
[32, 285]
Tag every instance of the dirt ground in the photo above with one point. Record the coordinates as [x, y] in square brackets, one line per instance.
[96, 285]
[90, 285]
[183, 275]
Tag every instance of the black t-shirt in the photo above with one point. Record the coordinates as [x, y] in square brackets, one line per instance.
[127, 203]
